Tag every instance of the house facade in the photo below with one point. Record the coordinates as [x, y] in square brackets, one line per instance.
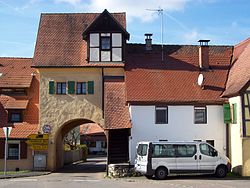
[238, 92]
[80, 57]
[165, 100]
[19, 106]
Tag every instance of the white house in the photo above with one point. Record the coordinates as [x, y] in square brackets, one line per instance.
[165, 100]
[238, 91]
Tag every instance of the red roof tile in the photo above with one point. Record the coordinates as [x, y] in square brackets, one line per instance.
[12, 67]
[116, 112]
[15, 72]
[16, 104]
[149, 80]
[91, 129]
[21, 130]
[60, 41]
[239, 74]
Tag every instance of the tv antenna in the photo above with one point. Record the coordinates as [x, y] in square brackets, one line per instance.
[160, 12]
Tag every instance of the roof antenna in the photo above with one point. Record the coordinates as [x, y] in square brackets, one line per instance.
[160, 12]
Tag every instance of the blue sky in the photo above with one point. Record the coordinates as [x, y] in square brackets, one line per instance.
[224, 22]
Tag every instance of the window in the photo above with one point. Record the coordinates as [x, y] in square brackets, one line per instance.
[15, 116]
[186, 150]
[163, 150]
[81, 88]
[92, 144]
[207, 150]
[104, 144]
[105, 43]
[200, 115]
[211, 142]
[13, 151]
[142, 149]
[161, 115]
[15, 91]
[61, 87]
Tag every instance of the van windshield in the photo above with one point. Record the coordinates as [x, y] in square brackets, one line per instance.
[142, 149]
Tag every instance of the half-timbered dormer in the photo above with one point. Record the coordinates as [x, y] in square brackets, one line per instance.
[106, 38]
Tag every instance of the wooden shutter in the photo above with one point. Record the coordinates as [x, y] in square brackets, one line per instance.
[90, 87]
[227, 113]
[71, 87]
[51, 87]
[23, 148]
[2, 142]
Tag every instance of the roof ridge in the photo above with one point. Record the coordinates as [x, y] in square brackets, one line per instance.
[243, 42]
[65, 13]
[192, 45]
[16, 57]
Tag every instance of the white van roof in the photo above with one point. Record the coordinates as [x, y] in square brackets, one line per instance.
[171, 142]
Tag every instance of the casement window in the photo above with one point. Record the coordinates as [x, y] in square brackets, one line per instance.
[234, 113]
[105, 47]
[13, 151]
[161, 115]
[105, 43]
[211, 142]
[61, 87]
[200, 115]
[15, 116]
[81, 88]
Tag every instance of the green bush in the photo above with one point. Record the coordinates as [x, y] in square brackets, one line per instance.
[84, 150]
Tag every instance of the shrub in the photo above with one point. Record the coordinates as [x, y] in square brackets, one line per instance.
[84, 149]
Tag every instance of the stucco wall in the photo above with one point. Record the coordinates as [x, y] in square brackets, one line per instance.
[22, 164]
[235, 134]
[180, 126]
[246, 157]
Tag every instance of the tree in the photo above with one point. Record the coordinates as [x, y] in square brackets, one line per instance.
[72, 138]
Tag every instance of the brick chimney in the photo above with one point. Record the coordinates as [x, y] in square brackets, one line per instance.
[148, 41]
[204, 54]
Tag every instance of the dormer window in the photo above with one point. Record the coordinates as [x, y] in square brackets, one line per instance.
[105, 37]
[105, 47]
[105, 43]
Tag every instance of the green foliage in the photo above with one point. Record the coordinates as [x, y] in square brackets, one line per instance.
[84, 150]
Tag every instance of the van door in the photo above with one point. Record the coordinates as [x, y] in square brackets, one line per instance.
[208, 158]
[186, 158]
[142, 157]
[164, 155]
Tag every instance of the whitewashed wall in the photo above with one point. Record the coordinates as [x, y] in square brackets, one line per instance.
[235, 137]
[180, 126]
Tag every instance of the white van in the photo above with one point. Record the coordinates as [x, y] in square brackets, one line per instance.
[164, 158]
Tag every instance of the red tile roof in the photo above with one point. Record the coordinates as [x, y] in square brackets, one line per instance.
[116, 112]
[149, 80]
[60, 42]
[15, 72]
[16, 104]
[91, 129]
[13, 67]
[239, 75]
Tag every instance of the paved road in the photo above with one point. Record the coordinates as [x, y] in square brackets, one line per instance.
[91, 175]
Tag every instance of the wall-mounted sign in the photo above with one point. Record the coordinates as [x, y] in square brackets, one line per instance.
[46, 129]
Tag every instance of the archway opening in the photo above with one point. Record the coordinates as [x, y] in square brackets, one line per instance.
[70, 148]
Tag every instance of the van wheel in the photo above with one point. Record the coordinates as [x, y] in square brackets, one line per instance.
[161, 173]
[221, 171]
[148, 176]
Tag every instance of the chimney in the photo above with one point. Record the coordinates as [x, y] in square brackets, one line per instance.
[148, 41]
[204, 54]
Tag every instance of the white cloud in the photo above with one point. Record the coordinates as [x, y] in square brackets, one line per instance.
[190, 37]
[73, 2]
[134, 9]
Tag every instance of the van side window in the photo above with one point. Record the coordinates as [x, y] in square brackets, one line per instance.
[207, 150]
[163, 150]
[142, 149]
[186, 150]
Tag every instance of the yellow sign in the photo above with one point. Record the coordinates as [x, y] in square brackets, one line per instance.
[37, 142]
[38, 136]
[39, 147]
